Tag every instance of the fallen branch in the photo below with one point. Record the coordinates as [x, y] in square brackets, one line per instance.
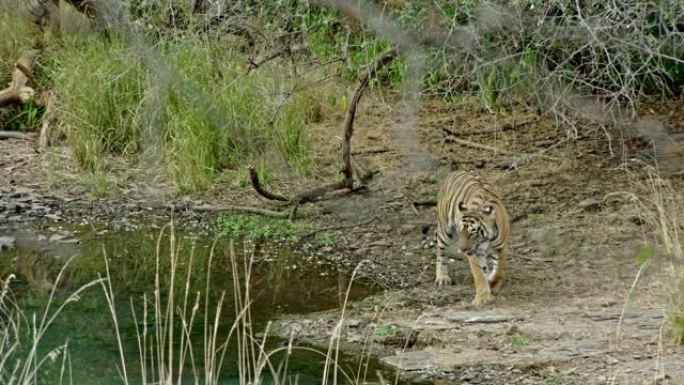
[17, 135]
[337, 227]
[19, 91]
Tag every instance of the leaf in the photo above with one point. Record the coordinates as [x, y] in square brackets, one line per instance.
[643, 255]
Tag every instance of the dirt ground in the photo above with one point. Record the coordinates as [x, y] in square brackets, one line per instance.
[568, 312]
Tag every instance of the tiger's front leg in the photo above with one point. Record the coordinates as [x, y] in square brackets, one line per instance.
[483, 293]
[496, 276]
[442, 273]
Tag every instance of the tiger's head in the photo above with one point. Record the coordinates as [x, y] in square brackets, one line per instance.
[478, 224]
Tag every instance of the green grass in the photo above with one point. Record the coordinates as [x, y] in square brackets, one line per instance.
[101, 90]
[256, 227]
[192, 103]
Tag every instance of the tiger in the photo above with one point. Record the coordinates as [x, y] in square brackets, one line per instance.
[469, 207]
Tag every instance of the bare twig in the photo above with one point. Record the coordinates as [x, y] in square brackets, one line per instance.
[287, 50]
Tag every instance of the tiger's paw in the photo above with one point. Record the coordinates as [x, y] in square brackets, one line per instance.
[442, 280]
[482, 299]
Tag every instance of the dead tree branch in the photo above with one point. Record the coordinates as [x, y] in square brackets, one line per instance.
[348, 127]
[350, 166]
[254, 178]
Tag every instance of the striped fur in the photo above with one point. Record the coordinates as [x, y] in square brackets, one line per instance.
[469, 208]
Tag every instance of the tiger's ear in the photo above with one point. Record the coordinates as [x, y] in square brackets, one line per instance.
[462, 206]
[487, 209]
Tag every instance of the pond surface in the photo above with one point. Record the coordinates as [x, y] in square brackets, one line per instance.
[280, 281]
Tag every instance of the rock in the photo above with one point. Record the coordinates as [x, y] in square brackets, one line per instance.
[7, 243]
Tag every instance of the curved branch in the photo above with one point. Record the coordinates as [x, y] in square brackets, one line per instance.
[254, 178]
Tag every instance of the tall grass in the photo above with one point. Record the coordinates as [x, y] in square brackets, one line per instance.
[101, 90]
[211, 115]
[666, 215]
[181, 338]
[21, 360]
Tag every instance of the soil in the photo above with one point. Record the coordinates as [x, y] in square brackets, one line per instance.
[568, 312]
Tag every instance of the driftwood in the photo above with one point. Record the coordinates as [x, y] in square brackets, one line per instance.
[19, 91]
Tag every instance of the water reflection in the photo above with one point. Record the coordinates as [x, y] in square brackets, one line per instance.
[283, 282]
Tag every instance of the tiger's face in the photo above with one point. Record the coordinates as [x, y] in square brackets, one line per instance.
[476, 226]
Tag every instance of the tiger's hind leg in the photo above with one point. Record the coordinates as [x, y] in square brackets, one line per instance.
[499, 261]
[483, 293]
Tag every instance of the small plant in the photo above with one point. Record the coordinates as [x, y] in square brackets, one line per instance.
[258, 228]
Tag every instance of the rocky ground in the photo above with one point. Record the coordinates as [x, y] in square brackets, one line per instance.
[568, 312]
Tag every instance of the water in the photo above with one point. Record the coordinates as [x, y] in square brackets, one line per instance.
[281, 282]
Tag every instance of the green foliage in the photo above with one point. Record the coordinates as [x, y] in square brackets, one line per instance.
[101, 90]
[258, 228]
[203, 113]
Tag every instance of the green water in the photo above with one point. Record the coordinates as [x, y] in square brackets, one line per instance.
[281, 281]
